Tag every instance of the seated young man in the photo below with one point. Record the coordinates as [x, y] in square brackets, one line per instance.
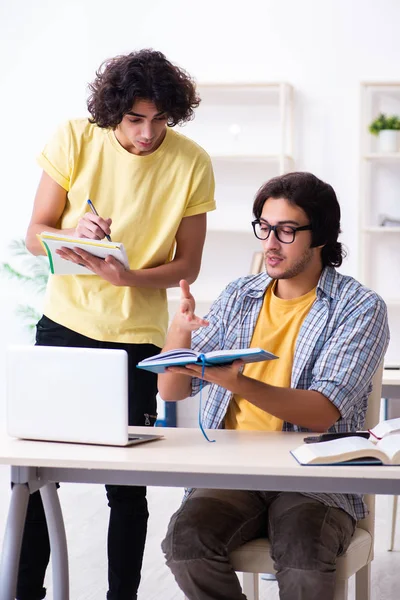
[330, 334]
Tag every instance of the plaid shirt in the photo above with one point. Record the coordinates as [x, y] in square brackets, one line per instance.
[340, 345]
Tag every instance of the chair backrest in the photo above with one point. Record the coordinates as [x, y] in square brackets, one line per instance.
[371, 419]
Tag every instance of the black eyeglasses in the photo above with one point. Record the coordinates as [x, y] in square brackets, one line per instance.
[284, 233]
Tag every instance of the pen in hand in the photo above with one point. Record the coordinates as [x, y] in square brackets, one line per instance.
[94, 211]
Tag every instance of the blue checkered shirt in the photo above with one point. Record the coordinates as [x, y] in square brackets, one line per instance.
[339, 347]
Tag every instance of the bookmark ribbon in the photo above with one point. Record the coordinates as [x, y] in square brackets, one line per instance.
[202, 358]
[373, 435]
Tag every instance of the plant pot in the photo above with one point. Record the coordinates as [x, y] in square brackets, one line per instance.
[389, 140]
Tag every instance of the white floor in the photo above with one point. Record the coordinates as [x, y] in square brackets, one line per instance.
[86, 516]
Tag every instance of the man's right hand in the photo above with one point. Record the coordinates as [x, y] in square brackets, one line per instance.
[176, 386]
[185, 316]
[50, 203]
[92, 227]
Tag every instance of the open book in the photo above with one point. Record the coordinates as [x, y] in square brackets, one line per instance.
[385, 428]
[101, 248]
[185, 356]
[382, 447]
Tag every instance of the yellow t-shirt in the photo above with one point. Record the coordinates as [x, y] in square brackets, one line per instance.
[146, 197]
[277, 328]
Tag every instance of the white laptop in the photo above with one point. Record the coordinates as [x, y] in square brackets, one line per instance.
[69, 395]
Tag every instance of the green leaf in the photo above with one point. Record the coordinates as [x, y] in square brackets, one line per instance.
[18, 247]
[384, 121]
[33, 271]
[29, 314]
[7, 270]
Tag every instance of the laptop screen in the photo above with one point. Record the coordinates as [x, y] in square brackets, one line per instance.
[68, 394]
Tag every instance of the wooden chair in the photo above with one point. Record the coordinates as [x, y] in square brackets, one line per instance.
[254, 557]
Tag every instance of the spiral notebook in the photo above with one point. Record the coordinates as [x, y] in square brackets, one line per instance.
[100, 248]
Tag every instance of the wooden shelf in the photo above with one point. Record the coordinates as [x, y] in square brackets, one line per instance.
[381, 230]
[382, 156]
[249, 94]
[245, 229]
[251, 157]
[229, 85]
[245, 122]
[381, 84]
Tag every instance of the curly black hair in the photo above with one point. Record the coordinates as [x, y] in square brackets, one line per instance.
[319, 202]
[146, 75]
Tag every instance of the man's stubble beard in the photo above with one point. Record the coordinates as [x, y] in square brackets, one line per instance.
[295, 269]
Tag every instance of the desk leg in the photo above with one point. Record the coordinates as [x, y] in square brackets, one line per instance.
[13, 541]
[394, 501]
[58, 541]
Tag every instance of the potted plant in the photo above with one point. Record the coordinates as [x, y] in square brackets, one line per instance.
[31, 271]
[387, 128]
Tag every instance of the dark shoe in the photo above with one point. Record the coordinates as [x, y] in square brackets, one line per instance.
[28, 596]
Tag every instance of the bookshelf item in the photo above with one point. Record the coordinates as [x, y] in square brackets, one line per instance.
[389, 221]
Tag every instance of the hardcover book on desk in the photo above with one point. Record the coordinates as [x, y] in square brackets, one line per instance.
[382, 448]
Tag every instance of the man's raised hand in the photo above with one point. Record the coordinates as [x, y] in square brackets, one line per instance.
[186, 309]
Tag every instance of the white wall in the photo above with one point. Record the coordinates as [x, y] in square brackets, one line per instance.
[49, 50]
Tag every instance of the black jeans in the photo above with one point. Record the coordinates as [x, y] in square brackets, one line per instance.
[128, 505]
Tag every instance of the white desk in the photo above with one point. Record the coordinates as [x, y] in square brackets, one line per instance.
[238, 460]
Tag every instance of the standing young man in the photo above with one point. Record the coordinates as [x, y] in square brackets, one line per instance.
[152, 188]
[330, 334]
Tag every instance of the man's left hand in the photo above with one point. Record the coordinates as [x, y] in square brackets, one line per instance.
[109, 268]
[227, 376]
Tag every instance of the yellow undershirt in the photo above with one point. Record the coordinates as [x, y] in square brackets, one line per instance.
[277, 328]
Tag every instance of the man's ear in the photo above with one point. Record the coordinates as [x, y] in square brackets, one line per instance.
[318, 247]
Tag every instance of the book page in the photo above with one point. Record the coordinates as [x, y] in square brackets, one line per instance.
[99, 248]
[176, 354]
[232, 352]
[48, 235]
[385, 427]
[390, 445]
[338, 450]
[240, 352]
